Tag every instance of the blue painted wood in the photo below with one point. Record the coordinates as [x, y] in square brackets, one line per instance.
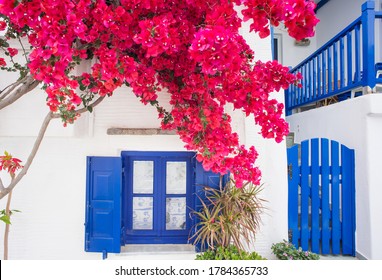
[310, 85]
[319, 76]
[335, 64]
[342, 63]
[325, 204]
[368, 43]
[103, 205]
[304, 92]
[293, 194]
[357, 56]
[327, 210]
[355, 64]
[329, 87]
[305, 195]
[205, 179]
[315, 196]
[158, 234]
[324, 75]
[349, 53]
[335, 193]
[347, 198]
[314, 91]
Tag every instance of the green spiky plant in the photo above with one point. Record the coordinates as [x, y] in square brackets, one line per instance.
[229, 215]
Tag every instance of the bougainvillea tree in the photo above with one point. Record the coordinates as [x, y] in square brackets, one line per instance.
[191, 49]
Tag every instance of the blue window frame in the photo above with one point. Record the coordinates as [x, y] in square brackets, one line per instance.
[110, 198]
[157, 197]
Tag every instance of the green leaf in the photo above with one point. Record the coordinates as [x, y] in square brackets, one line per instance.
[14, 211]
[4, 43]
[6, 219]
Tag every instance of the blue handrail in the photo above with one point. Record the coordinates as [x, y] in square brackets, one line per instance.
[344, 64]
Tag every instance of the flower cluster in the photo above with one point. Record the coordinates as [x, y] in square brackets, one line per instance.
[287, 251]
[192, 49]
[297, 15]
[9, 164]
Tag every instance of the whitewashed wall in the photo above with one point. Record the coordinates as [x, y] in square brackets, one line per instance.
[52, 195]
[335, 16]
[356, 123]
[292, 54]
[273, 163]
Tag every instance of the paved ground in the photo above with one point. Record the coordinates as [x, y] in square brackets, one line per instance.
[333, 258]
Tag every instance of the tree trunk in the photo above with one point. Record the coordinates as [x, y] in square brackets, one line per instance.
[6, 232]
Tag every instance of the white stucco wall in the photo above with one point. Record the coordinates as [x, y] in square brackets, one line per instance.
[356, 123]
[291, 54]
[272, 162]
[335, 16]
[52, 195]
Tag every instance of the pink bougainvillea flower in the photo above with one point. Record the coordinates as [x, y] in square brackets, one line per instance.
[12, 51]
[2, 62]
[3, 25]
[190, 49]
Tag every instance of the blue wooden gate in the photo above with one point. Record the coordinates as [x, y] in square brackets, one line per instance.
[321, 197]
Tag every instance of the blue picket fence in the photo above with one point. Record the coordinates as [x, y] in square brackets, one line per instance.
[343, 67]
[321, 197]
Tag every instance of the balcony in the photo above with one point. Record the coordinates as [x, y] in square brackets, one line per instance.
[345, 67]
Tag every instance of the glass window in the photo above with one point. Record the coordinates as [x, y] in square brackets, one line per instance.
[143, 178]
[143, 213]
[176, 177]
[175, 213]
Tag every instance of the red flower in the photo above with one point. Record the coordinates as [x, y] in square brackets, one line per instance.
[191, 49]
[12, 51]
[9, 164]
[3, 25]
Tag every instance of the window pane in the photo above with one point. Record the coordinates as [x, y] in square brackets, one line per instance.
[176, 213]
[176, 177]
[143, 213]
[143, 177]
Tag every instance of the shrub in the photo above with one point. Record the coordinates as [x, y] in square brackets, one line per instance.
[228, 253]
[287, 251]
[229, 215]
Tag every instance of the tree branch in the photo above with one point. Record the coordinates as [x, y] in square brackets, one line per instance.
[24, 51]
[1, 186]
[84, 110]
[11, 87]
[95, 103]
[36, 146]
[32, 155]
[28, 85]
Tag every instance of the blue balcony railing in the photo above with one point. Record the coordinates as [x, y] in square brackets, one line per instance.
[343, 67]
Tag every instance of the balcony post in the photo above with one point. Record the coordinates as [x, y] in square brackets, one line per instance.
[368, 44]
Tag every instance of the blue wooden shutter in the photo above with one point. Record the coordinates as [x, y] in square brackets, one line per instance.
[205, 178]
[103, 205]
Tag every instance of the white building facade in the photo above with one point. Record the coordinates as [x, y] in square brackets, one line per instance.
[354, 122]
[52, 196]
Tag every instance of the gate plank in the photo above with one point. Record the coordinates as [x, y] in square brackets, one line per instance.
[305, 194]
[347, 205]
[293, 187]
[315, 196]
[325, 217]
[336, 224]
[325, 211]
